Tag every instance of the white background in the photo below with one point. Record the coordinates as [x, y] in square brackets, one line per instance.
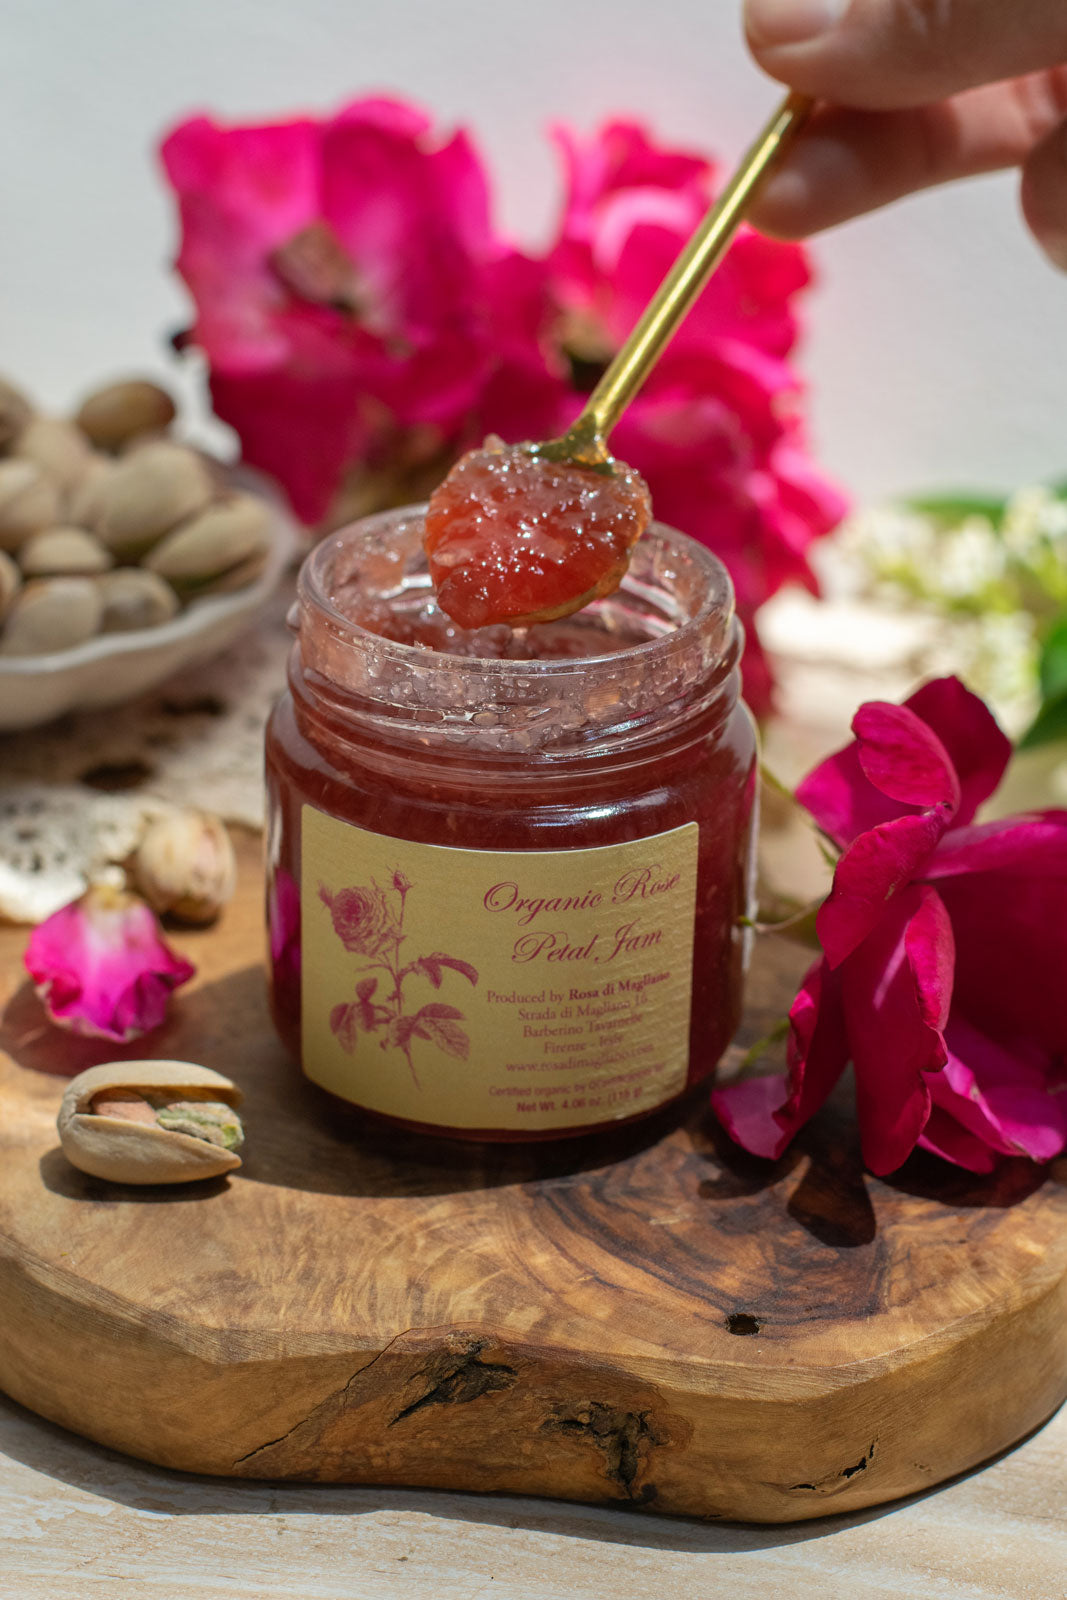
[937, 342]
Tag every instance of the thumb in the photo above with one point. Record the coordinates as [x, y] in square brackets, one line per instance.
[889, 54]
[1044, 195]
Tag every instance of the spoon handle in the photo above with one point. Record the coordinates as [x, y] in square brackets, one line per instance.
[688, 276]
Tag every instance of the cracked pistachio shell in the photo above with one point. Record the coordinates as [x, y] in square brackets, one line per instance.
[59, 552]
[134, 598]
[124, 1151]
[56, 446]
[15, 412]
[112, 416]
[10, 583]
[51, 614]
[29, 501]
[230, 537]
[148, 493]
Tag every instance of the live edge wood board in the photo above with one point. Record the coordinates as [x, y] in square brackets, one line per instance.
[650, 1318]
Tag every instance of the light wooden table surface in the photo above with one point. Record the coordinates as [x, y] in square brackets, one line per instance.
[76, 1519]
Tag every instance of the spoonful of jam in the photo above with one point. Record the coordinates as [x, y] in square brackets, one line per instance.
[531, 532]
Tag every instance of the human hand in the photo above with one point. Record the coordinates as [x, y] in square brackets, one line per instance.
[919, 92]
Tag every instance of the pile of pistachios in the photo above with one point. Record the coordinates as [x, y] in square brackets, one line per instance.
[107, 524]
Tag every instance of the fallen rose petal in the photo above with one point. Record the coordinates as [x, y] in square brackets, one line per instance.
[102, 968]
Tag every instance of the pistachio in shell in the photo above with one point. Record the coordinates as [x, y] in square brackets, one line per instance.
[133, 598]
[56, 446]
[10, 583]
[29, 501]
[51, 614]
[230, 537]
[15, 412]
[59, 552]
[151, 1122]
[86, 503]
[148, 493]
[114, 415]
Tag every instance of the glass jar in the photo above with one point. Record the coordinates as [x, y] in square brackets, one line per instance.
[508, 870]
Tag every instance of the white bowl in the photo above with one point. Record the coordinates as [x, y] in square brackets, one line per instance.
[116, 667]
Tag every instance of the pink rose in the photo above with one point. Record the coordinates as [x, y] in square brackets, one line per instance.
[337, 267]
[102, 968]
[362, 919]
[945, 951]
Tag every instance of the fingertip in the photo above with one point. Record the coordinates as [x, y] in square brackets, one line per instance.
[1043, 194]
[820, 183]
[784, 207]
[771, 24]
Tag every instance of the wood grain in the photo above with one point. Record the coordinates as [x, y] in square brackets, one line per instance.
[649, 1318]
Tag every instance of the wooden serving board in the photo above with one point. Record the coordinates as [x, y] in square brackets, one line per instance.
[649, 1318]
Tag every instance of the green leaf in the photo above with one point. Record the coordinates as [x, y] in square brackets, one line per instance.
[1050, 724]
[951, 508]
[1052, 668]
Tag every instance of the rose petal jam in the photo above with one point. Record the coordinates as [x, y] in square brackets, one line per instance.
[509, 866]
[516, 537]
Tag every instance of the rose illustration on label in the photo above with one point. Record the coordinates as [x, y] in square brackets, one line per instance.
[369, 925]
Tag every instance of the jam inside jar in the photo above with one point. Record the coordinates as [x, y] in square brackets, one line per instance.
[509, 868]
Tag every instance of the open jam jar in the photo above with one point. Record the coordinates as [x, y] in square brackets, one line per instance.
[509, 868]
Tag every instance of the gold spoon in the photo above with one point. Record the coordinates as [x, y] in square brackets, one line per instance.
[585, 441]
[471, 565]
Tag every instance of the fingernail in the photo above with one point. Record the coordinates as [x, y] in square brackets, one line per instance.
[775, 22]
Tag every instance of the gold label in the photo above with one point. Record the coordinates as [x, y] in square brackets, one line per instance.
[495, 989]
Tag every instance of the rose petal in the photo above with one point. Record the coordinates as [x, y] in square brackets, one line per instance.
[904, 759]
[944, 1137]
[301, 427]
[874, 868]
[102, 968]
[242, 192]
[1011, 956]
[977, 748]
[763, 1114]
[1031, 845]
[1001, 1095]
[844, 803]
[895, 992]
[895, 765]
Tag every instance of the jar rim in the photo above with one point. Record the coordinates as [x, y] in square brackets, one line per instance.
[713, 614]
[676, 590]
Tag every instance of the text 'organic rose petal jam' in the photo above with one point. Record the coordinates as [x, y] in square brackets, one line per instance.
[509, 866]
